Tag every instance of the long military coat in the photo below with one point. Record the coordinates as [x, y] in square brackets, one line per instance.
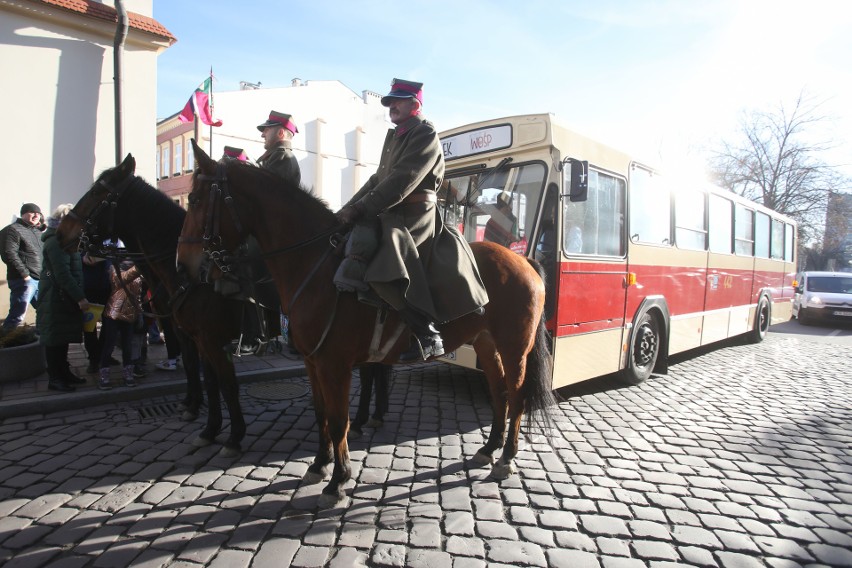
[432, 263]
[58, 317]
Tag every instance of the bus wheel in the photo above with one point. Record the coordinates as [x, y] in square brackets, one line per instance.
[761, 321]
[643, 351]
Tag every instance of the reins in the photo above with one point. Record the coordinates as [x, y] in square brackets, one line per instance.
[225, 260]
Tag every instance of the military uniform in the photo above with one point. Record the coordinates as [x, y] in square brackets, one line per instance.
[281, 160]
[431, 265]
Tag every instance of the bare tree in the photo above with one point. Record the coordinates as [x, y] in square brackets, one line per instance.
[774, 160]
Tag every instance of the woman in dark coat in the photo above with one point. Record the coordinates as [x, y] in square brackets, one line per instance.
[61, 303]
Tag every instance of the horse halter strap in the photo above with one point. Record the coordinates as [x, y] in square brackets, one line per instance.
[212, 239]
[108, 204]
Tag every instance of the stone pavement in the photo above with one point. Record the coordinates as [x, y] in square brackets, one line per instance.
[31, 396]
[739, 457]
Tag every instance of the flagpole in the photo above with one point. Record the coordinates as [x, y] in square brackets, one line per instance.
[211, 109]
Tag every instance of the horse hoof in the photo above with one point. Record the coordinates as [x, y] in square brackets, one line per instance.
[373, 423]
[229, 452]
[329, 501]
[189, 416]
[201, 442]
[503, 470]
[355, 434]
[312, 478]
[483, 459]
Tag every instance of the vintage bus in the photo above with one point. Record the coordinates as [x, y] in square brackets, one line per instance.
[639, 266]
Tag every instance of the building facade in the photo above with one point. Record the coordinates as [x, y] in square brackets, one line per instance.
[58, 99]
[338, 145]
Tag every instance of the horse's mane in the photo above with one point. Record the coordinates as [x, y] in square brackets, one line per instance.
[153, 217]
[299, 196]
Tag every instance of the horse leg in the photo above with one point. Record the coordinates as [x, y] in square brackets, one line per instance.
[382, 375]
[494, 372]
[366, 372]
[337, 414]
[514, 372]
[194, 389]
[316, 471]
[231, 393]
[214, 410]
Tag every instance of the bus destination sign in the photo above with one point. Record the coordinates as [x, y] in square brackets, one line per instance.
[477, 141]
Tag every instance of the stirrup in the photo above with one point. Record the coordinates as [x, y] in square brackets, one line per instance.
[417, 352]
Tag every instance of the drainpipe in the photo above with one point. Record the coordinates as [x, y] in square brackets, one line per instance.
[117, 54]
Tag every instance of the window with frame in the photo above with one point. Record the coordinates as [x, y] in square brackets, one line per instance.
[789, 239]
[595, 226]
[690, 220]
[178, 159]
[157, 163]
[776, 249]
[190, 158]
[166, 162]
[721, 223]
[761, 235]
[743, 230]
[650, 208]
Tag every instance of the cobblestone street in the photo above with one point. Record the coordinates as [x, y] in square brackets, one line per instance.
[739, 457]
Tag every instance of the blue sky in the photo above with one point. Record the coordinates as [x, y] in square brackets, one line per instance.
[657, 78]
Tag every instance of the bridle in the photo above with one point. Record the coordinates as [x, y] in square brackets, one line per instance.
[92, 243]
[227, 261]
[211, 239]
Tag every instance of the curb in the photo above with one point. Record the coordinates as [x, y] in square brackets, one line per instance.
[47, 404]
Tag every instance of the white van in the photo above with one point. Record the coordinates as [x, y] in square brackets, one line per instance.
[823, 296]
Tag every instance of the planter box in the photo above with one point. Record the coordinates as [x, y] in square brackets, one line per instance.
[21, 362]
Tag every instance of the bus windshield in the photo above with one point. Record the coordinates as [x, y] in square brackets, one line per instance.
[496, 205]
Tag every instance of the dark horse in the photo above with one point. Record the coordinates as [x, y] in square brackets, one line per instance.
[122, 205]
[230, 201]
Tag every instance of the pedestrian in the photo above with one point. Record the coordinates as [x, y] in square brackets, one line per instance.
[399, 244]
[277, 133]
[96, 288]
[61, 304]
[121, 312]
[21, 251]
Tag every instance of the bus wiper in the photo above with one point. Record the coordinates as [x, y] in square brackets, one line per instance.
[488, 174]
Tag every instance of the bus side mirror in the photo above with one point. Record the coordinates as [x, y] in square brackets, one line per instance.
[579, 181]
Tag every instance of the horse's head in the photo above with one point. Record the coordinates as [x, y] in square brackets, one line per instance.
[213, 223]
[91, 216]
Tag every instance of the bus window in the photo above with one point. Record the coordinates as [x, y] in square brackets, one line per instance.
[494, 203]
[650, 208]
[761, 235]
[743, 230]
[776, 249]
[789, 239]
[721, 224]
[690, 228]
[595, 226]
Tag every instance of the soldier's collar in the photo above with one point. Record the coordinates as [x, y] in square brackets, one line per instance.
[408, 125]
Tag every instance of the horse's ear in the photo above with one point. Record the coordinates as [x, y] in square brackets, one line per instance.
[205, 163]
[128, 166]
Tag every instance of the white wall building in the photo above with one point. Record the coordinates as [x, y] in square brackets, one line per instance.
[57, 96]
[340, 132]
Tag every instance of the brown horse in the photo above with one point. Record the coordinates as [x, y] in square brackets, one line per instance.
[124, 206]
[230, 201]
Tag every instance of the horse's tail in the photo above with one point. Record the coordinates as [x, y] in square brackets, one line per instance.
[537, 381]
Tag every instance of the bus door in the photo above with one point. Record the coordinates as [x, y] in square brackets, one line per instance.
[590, 310]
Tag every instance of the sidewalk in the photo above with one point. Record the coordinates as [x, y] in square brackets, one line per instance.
[31, 396]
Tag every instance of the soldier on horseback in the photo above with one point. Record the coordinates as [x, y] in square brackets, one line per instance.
[399, 245]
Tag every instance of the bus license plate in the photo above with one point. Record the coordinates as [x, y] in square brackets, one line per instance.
[839, 313]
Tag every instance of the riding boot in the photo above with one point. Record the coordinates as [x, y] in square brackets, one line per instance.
[426, 339]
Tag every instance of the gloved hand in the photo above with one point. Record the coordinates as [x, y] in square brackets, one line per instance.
[348, 215]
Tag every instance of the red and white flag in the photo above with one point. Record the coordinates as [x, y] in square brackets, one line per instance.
[199, 104]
